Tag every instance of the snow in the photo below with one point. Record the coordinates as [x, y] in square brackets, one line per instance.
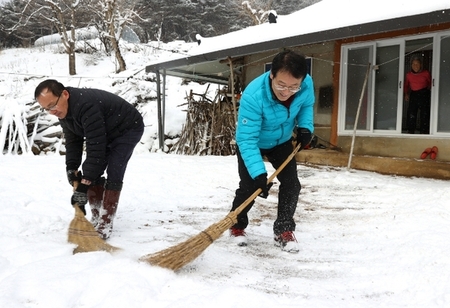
[87, 33]
[367, 240]
[324, 15]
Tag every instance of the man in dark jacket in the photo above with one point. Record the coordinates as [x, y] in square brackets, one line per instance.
[111, 127]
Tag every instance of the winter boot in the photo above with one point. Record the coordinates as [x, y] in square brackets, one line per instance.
[238, 236]
[108, 209]
[95, 197]
[287, 242]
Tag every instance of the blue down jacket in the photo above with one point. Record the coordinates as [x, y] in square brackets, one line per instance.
[264, 122]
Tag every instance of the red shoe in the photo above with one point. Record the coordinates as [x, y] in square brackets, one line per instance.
[425, 153]
[238, 236]
[434, 151]
[287, 242]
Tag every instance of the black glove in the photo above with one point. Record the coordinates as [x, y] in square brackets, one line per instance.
[304, 137]
[80, 197]
[73, 176]
[261, 182]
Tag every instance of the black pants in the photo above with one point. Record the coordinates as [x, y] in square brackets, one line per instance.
[288, 192]
[118, 153]
[419, 101]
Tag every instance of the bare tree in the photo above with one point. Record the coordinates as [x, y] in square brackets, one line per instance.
[61, 14]
[111, 17]
[258, 10]
[10, 34]
[257, 15]
[170, 19]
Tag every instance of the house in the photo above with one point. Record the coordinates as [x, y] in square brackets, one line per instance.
[345, 41]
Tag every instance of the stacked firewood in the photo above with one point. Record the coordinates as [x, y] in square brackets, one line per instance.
[25, 129]
[44, 132]
[209, 128]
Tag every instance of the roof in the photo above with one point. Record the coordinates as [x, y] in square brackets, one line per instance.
[327, 20]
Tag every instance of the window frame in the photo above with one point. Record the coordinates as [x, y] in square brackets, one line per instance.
[374, 45]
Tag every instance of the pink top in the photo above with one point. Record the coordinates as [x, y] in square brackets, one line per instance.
[417, 81]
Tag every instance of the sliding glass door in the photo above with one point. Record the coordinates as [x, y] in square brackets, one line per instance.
[387, 88]
[443, 110]
[383, 107]
[358, 60]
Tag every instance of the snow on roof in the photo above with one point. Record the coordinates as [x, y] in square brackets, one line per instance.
[322, 16]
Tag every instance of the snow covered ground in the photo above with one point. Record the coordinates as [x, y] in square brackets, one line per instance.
[367, 240]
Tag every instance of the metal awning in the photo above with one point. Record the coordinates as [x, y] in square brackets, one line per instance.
[214, 72]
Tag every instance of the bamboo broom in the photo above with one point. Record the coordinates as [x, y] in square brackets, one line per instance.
[83, 234]
[179, 255]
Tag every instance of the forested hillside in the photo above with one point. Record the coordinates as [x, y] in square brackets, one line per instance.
[163, 27]
[22, 22]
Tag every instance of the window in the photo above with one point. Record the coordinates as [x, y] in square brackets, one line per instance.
[357, 61]
[383, 108]
[443, 106]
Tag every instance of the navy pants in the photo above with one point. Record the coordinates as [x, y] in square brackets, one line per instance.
[419, 101]
[289, 189]
[118, 153]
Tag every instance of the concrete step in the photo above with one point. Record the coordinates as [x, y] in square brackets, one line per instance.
[426, 168]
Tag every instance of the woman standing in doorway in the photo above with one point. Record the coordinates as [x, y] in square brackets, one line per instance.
[417, 94]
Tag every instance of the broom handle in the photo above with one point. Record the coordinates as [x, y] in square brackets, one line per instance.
[270, 179]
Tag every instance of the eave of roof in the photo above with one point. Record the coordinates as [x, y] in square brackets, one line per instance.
[205, 67]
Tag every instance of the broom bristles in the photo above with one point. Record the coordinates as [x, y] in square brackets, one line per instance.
[179, 255]
[83, 234]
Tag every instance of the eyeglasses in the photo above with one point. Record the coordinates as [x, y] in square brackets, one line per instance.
[284, 88]
[52, 107]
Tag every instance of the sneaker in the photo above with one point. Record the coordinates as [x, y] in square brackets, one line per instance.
[287, 242]
[238, 236]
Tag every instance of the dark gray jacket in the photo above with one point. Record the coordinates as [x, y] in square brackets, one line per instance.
[97, 117]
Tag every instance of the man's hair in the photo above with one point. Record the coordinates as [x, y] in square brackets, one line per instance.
[291, 62]
[52, 85]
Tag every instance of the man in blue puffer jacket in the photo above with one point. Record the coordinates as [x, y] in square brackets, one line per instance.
[271, 107]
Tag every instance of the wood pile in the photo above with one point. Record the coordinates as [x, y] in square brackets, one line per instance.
[210, 126]
[44, 132]
[24, 130]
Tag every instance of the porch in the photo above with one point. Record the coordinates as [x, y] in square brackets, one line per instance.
[410, 167]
